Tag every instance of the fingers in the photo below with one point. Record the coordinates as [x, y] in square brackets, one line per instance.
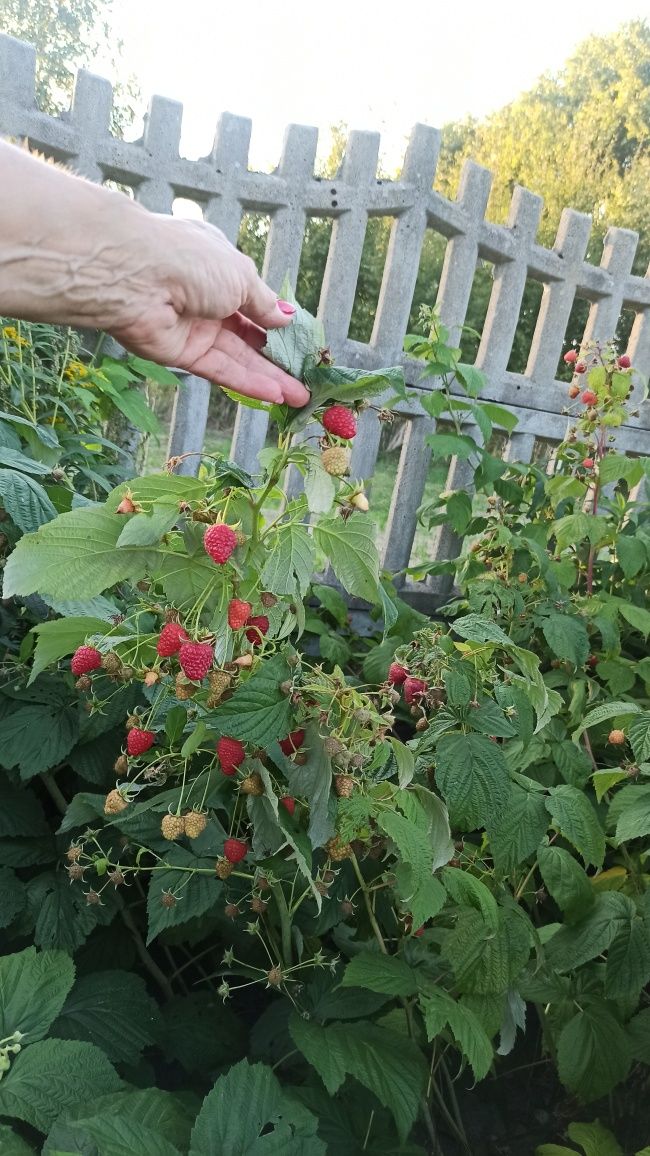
[293, 393]
[232, 363]
[218, 367]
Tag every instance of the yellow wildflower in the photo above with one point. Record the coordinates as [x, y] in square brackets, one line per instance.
[10, 333]
[75, 370]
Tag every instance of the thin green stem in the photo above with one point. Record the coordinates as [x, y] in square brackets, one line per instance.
[368, 905]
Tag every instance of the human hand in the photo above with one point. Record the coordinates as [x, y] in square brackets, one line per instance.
[201, 306]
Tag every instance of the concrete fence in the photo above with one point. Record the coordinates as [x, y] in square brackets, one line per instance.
[225, 188]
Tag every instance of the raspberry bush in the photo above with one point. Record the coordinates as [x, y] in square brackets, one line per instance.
[374, 889]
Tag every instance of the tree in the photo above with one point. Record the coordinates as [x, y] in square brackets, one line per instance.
[68, 37]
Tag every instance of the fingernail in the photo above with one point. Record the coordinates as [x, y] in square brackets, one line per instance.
[286, 307]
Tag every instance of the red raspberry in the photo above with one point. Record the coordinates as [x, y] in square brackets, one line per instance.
[238, 613]
[570, 357]
[340, 421]
[419, 933]
[219, 542]
[137, 741]
[624, 362]
[231, 754]
[580, 367]
[85, 659]
[289, 804]
[593, 661]
[196, 659]
[396, 674]
[259, 624]
[235, 850]
[292, 743]
[126, 506]
[171, 637]
[588, 463]
[589, 397]
[414, 688]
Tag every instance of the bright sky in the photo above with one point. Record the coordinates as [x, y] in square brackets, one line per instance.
[369, 63]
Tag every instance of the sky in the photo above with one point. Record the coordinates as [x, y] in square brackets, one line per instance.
[367, 63]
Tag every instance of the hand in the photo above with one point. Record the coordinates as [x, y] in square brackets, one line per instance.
[176, 292]
[206, 310]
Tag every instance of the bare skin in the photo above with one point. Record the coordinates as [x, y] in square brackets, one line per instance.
[174, 291]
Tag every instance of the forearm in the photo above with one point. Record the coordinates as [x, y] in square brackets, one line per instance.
[70, 251]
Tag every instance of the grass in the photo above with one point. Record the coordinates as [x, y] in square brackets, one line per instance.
[380, 486]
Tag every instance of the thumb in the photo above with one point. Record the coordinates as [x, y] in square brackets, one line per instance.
[262, 305]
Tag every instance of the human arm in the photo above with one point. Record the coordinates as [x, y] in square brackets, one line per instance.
[174, 291]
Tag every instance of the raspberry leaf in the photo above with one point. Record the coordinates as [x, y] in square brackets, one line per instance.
[258, 711]
[113, 1010]
[247, 1113]
[352, 551]
[51, 1076]
[33, 988]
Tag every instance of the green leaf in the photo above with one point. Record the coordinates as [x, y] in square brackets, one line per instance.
[113, 1010]
[351, 548]
[613, 467]
[290, 560]
[25, 501]
[637, 616]
[574, 528]
[195, 891]
[13, 1145]
[605, 712]
[473, 779]
[293, 346]
[466, 1028]
[639, 735]
[386, 974]
[596, 1140]
[185, 579]
[133, 404]
[485, 961]
[567, 637]
[578, 822]
[19, 461]
[147, 529]
[467, 891]
[313, 781]
[12, 896]
[459, 511]
[56, 639]
[628, 962]
[33, 988]
[247, 1113]
[593, 1053]
[50, 1076]
[111, 1134]
[639, 1035]
[386, 1062]
[565, 880]
[75, 556]
[630, 811]
[333, 601]
[632, 555]
[472, 378]
[412, 841]
[603, 782]
[36, 736]
[516, 833]
[20, 811]
[151, 371]
[60, 912]
[581, 942]
[498, 415]
[447, 445]
[475, 628]
[319, 487]
[258, 711]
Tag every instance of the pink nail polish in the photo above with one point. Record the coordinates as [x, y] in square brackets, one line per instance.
[286, 307]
